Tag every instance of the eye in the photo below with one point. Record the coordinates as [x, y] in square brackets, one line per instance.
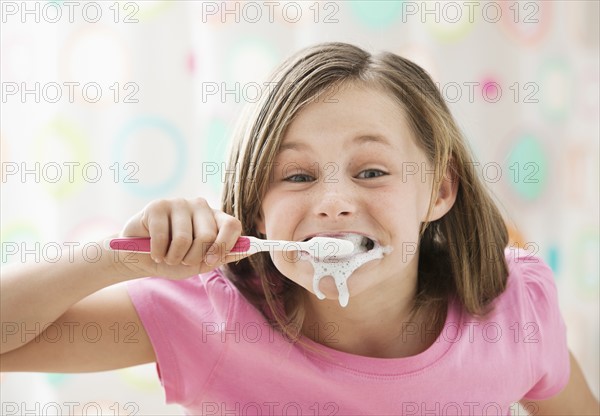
[299, 178]
[371, 173]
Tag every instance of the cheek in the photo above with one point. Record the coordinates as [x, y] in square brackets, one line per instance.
[290, 265]
[411, 196]
[399, 211]
[394, 203]
[280, 214]
[286, 259]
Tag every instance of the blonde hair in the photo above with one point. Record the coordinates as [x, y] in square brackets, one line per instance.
[460, 254]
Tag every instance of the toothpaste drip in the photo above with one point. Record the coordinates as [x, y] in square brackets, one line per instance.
[341, 268]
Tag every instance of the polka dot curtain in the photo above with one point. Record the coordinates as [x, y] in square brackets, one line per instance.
[109, 105]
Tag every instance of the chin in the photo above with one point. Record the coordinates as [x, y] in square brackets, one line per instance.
[328, 287]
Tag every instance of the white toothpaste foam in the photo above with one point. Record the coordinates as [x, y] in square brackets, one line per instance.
[340, 268]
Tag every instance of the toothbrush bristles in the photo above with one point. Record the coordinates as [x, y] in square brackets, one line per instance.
[334, 247]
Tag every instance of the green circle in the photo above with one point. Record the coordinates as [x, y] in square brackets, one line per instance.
[57, 379]
[557, 67]
[527, 167]
[553, 259]
[376, 14]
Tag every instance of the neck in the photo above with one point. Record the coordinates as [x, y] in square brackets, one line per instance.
[381, 317]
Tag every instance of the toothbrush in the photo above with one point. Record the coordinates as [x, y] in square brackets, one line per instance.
[318, 247]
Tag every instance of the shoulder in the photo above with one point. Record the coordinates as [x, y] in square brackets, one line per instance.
[531, 300]
[530, 286]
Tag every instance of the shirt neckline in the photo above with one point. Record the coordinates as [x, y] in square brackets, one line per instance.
[374, 367]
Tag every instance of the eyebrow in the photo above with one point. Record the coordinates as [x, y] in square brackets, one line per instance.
[364, 138]
[371, 138]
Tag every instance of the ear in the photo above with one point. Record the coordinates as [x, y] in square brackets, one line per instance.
[447, 193]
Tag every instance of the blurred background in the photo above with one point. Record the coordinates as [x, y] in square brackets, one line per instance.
[109, 105]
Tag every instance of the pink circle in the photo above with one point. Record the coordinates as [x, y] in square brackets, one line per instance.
[191, 62]
[489, 89]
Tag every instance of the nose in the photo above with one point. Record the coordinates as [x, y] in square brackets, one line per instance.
[334, 203]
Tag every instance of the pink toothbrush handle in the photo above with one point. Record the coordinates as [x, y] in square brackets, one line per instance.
[142, 244]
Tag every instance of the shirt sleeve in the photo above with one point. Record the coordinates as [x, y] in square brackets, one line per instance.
[549, 353]
[173, 313]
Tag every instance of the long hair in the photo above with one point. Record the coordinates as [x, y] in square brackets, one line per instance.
[461, 254]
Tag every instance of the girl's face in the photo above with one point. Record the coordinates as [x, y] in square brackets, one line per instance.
[349, 164]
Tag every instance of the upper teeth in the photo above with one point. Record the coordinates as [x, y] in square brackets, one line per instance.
[361, 243]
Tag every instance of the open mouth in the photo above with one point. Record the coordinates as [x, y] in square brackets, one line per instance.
[362, 244]
[367, 243]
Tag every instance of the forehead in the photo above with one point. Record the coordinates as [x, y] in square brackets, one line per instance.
[354, 111]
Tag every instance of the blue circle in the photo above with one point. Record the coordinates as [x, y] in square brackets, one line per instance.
[178, 141]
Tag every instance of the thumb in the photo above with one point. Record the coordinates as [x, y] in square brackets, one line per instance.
[135, 227]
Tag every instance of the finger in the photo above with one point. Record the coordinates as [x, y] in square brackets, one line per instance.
[205, 233]
[181, 232]
[230, 230]
[235, 257]
[158, 228]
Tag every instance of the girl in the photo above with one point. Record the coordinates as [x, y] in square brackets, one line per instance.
[444, 321]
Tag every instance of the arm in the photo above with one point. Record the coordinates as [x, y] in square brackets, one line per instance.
[575, 399]
[52, 319]
[34, 295]
[64, 317]
[101, 332]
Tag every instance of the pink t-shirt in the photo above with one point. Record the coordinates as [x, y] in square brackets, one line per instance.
[217, 356]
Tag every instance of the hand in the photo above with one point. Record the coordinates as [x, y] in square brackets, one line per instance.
[188, 237]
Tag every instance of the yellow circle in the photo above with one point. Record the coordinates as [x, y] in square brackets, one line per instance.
[446, 25]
